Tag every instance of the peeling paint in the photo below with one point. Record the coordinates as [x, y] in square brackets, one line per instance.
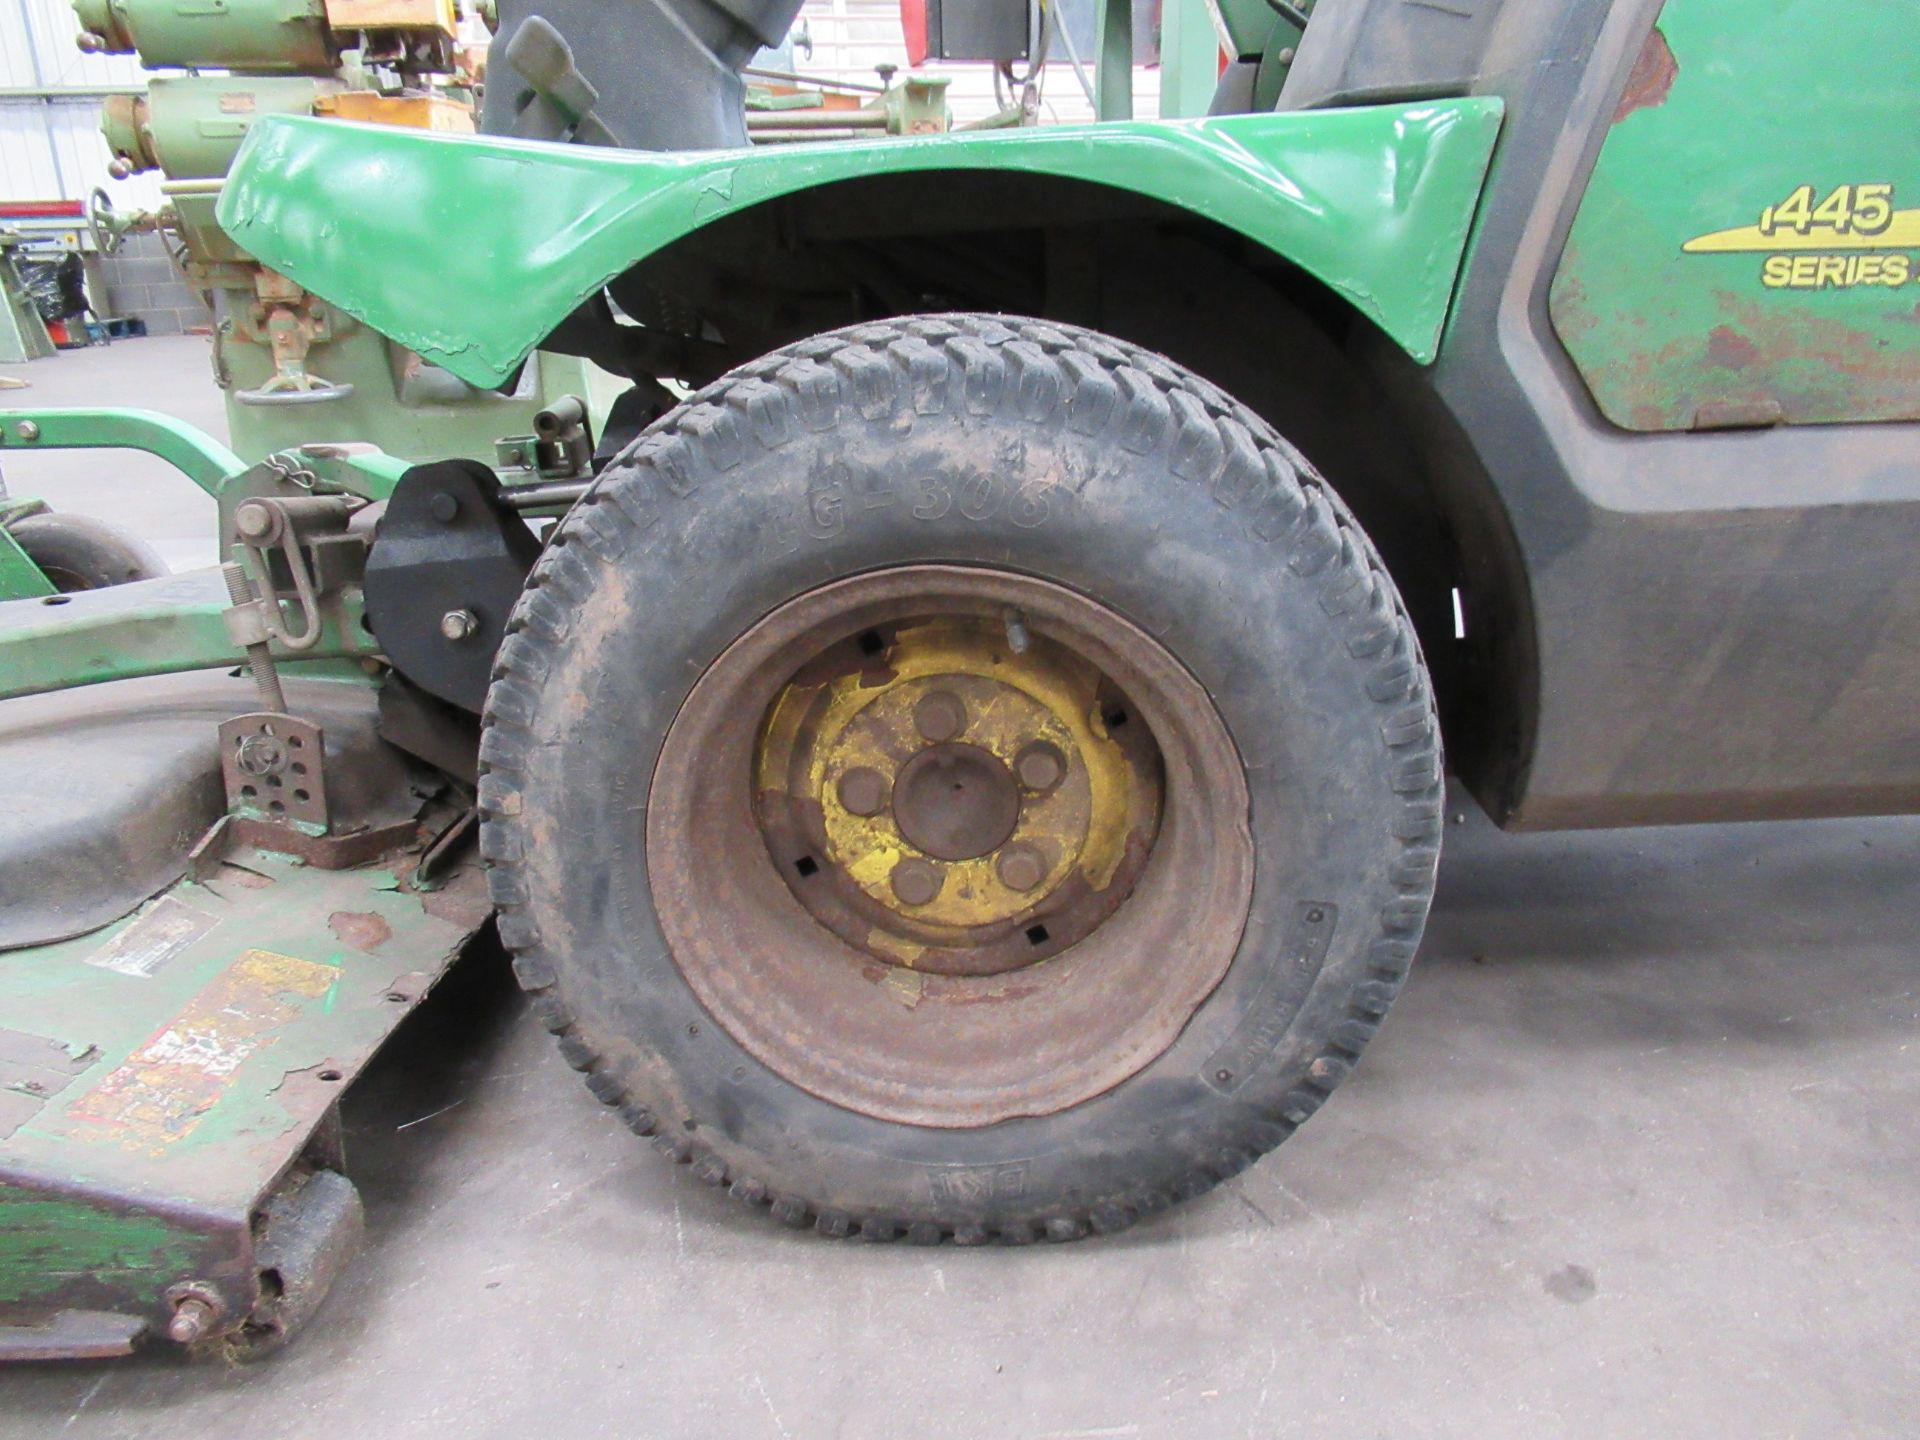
[365, 930]
[1652, 79]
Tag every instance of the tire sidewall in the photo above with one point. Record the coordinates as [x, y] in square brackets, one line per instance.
[794, 473]
[92, 552]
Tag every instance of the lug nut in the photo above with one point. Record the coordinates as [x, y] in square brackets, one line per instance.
[1021, 867]
[863, 791]
[916, 882]
[939, 716]
[459, 624]
[1039, 766]
[1018, 637]
[192, 1318]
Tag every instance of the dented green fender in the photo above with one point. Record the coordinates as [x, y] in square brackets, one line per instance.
[471, 249]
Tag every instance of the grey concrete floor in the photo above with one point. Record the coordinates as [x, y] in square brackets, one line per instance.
[172, 374]
[1636, 1154]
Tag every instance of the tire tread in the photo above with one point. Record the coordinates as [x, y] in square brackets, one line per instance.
[926, 365]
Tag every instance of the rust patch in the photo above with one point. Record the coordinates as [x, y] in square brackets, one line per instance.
[1727, 347]
[1759, 366]
[33, 1067]
[1652, 79]
[461, 901]
[231, 872]
[363, 930]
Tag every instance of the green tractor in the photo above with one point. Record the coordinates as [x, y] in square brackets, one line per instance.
[966, 764]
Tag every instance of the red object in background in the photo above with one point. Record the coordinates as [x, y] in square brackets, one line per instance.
[42, 210]
[913, 24]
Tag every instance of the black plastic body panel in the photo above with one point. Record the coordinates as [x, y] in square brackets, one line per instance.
[666, 72]
[1723, 625]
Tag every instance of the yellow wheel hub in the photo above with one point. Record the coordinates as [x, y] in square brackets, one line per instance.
[967, 798]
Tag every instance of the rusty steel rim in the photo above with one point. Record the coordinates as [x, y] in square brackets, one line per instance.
[947, 846]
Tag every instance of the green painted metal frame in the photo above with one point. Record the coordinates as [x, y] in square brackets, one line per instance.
[1113, 69]
[20, 578]
[194, 453]
[1189, 59]
[1375, 201]
[176, 623]
[151, 627]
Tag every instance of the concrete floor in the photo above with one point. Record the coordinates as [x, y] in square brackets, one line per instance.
[172, 374]
[1636, 1154]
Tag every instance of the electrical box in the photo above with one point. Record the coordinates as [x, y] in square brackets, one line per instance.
[990, 30]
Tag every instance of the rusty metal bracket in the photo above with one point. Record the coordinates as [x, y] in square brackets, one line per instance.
[274, 766]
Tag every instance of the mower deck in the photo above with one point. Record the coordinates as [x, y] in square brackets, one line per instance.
[169, 1148]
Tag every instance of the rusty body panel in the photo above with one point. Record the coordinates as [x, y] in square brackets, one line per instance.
[1748, 249]
[169, 1155]
[144, 1161]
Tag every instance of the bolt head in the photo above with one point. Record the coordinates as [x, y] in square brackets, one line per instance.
[939, 716]
[1021, 867]
[261, 755]
[863, 791]
[27, 430]
[459, 624]
[192, 1318]
[253, 520]
[1039, 766]
[444, 507]
[916, 882]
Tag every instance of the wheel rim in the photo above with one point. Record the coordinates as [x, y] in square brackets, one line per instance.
[949, 846]
[955, 794]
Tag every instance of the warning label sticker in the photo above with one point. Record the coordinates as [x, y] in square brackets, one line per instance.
[157, 934]
[169, 1084]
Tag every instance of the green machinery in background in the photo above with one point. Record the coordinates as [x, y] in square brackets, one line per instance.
[291, 366]
[23, 334]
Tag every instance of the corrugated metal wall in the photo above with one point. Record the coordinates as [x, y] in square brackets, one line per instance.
[36, 49]
[50, 148]
[50, 145]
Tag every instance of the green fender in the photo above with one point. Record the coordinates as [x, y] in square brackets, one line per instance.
[471, 250]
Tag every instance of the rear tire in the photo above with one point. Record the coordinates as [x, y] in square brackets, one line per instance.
[78, 552]
[980, 457]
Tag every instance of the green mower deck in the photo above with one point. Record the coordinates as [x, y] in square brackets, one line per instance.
[170, 1158]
